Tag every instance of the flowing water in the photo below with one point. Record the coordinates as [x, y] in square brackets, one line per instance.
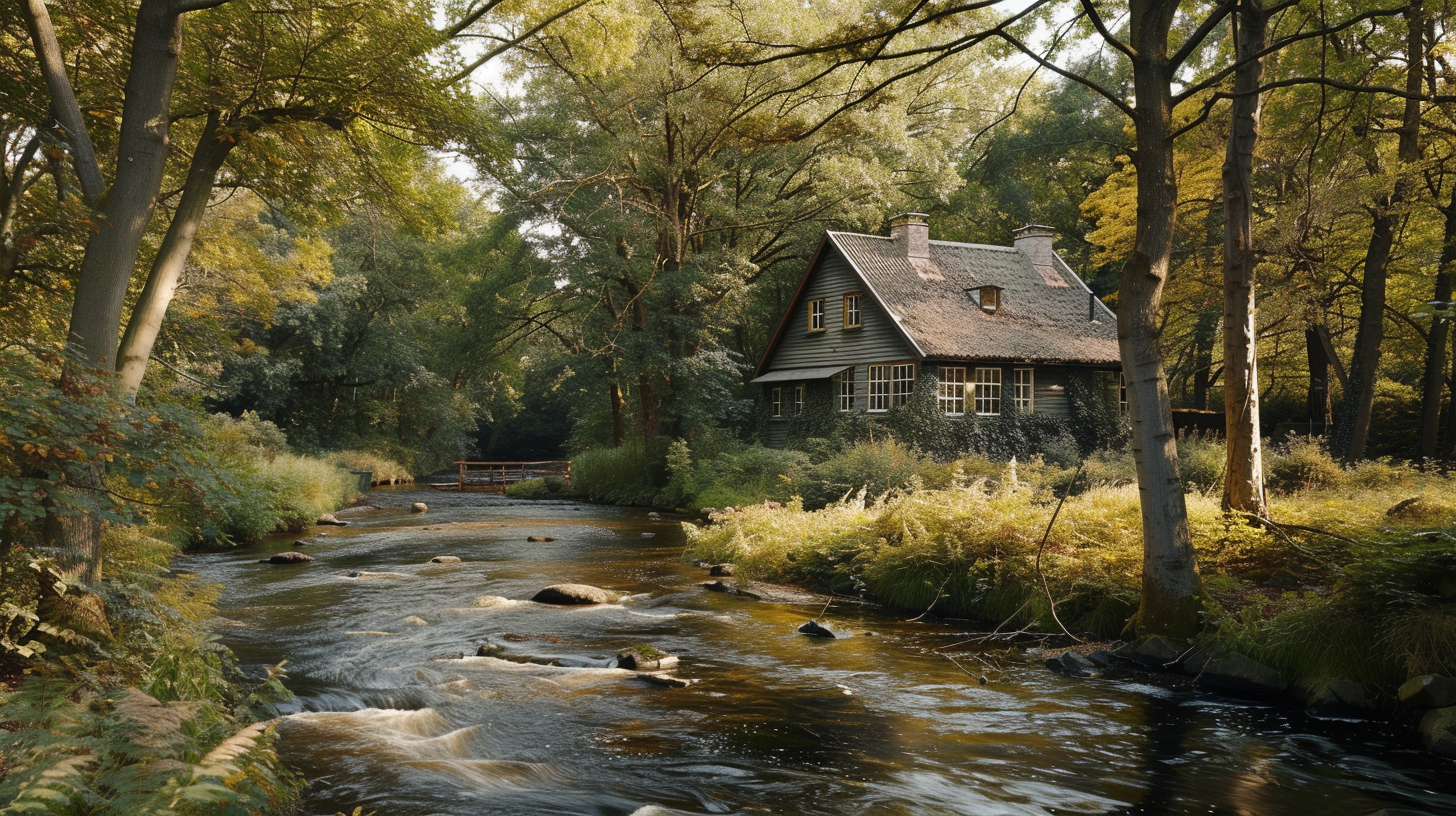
[387, 717]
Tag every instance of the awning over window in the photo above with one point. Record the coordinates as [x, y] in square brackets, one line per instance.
[800, 374]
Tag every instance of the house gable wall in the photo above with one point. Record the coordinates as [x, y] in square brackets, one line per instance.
[877, 340]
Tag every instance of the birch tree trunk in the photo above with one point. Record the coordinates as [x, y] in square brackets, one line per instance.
[1171, 589]
[1243, 486]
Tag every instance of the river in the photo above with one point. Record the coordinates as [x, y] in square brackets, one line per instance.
[386, 717]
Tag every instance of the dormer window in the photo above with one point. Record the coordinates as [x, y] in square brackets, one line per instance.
[987, 297]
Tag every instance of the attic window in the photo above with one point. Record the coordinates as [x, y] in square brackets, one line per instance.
[989, 297]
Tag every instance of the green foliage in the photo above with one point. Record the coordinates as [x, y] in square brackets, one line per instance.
[1300, 464]
[737, 475]
[1379, 561]
[382, 469]
[263, 491]
[543, 488]
[875, 467]
[1201, 462]
[630, 474]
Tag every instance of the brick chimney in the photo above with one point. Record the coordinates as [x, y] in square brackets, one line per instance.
[911, 232]
[1035, 242]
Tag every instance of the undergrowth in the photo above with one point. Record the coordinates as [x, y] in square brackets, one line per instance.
[1357, 581]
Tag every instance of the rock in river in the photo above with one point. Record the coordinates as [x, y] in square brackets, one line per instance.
[645, 658]
[1438, 729]
[539, 539]
[445, 559]
[1428, 691]
[572, 595]
[814, 628]
[1073, 664]
[328, 520]
[419, 507]
[286, 558]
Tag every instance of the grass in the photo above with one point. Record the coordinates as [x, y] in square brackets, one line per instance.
[1358, 581]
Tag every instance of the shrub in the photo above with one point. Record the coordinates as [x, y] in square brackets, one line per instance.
[749, 474]
[1201, 461]
[1300, 464]
[875, 467]
[384, 470]
[631, 473]
[544, 487]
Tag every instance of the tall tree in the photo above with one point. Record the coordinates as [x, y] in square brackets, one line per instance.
[1243, 490]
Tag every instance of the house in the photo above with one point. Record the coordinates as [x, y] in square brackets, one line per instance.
[999, 327]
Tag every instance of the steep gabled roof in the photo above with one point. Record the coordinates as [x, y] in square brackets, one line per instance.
[1044, 316]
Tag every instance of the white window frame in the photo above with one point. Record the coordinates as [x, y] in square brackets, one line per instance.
[1023, 389]
[844, 389]
[902, 383]
[776, 403]
[951, 392]
[853, 310]
[879, 377]
[988, 391]
[799, 395]
[816, 315]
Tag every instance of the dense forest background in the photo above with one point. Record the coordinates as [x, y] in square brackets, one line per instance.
[640, 198]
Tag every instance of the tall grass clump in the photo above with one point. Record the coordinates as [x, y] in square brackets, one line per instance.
[733, 475]
[631, 473]
[251, 487]
[383, 470]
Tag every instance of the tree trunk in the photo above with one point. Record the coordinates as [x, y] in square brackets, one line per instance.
[111, 252]
[1204, 331]
[1433, 380]
[1243, 486]
[63, 99]
[151, 308]
[106, 268]
[614, 392]
[1319, 380]
[1171, 590]
[1352, 420]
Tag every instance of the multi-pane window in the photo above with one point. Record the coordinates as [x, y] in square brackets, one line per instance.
[902, 382]
[990, 298]
[952, 391]
[776, 402]
[879, 388]
[853, 319]
[988, 391]
[798, 399]
[844, 389]
[816, 315]
[1022, 389]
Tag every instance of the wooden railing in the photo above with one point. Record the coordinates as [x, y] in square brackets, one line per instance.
[495, 477]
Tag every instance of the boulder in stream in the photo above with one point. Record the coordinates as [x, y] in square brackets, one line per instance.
[642, 657]
[286, 558]
[721, 570]
[665, 680]
[328, 520]
[572, 595]
[1339, 697]
[1157, 652]
[1073, 664]
[814, 628]
[1438, 730]
[419, 507]
[1428, 691]
[445, 559]
[539, 539]
[1235, 673]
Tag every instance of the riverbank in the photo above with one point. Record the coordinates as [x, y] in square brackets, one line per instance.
[1355, 587]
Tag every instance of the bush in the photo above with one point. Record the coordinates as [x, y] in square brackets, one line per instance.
[630, 474]
[248, 489]
[875, 467]
[544, 487]
[384, 470]
[1301, 464]
[1201, 461]
[740, 475]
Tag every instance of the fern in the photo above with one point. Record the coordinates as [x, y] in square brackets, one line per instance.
[60, 788]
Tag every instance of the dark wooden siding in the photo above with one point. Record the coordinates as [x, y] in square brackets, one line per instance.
[877, 341]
